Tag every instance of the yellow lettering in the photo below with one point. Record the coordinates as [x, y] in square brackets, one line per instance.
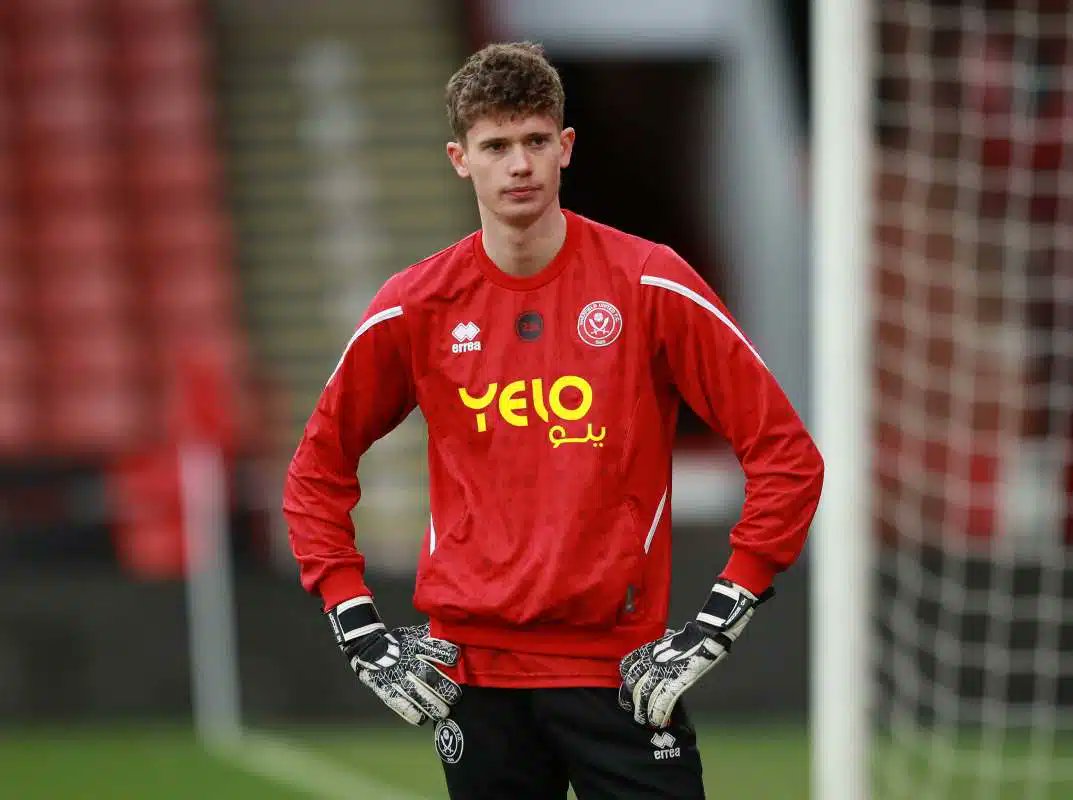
[555, 397]
[514, 402]
[478, 403]
[510, 402]
[557, 436]
[538, 399]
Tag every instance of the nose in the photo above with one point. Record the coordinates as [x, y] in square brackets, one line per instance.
[520, 162]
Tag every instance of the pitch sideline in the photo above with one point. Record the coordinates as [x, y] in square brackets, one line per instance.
[284, 762]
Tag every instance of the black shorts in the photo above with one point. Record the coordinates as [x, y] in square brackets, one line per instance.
[528, 744]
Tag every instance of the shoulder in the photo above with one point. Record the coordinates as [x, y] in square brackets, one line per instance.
[644, 262]
[626, 251]
[665, 269]
[428, 276]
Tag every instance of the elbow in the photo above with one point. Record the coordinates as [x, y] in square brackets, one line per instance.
[295, 491]
[288, 488]
[816, 469]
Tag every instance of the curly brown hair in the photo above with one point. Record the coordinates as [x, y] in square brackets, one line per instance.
[512, 79]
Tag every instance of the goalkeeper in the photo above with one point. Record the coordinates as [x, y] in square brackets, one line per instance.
[548, 354]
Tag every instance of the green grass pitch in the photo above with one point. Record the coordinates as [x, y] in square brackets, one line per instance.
[161, 762]
[166, 763]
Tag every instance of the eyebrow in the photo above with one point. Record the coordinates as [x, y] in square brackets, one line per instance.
[506, 140]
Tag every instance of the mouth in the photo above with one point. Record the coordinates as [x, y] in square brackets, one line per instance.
[521, 192]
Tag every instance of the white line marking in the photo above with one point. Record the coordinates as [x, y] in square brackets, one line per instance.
[286, 763]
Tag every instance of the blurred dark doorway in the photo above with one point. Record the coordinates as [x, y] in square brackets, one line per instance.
[642, 158]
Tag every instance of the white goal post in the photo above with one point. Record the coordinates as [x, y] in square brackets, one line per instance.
[942, 558]
[839, 545]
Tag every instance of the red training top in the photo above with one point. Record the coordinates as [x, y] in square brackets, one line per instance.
[551, 403]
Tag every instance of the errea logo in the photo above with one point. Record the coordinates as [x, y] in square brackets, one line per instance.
[465, 334]
[664, 744]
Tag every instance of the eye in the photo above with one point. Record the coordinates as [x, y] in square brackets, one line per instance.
[495, 147]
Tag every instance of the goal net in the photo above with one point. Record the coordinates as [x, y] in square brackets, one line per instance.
[973, 399]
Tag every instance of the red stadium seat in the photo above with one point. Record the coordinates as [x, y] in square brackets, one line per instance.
[218, 343]
[80, 357]
[55, 56]
[164, 177]
[13, 252]
[195, 295]
[12, 293]
[139, 15]
[197, 234]
[72, 179]
[100, 417]
[144, 490]
[51, 14]
[87, 293]
[65, 238]
[180, 117]
[114, 251]
[145, 20]
[145, 60]
[75, 113]
[18, 421]
[8, 172]
[19, 360]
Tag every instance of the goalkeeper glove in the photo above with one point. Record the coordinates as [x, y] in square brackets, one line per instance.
[398, 665]
[655, 675]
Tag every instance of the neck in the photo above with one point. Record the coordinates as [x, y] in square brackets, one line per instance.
[523, 249]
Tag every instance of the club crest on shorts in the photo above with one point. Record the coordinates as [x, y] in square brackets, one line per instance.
[599, 323]
[449, 741]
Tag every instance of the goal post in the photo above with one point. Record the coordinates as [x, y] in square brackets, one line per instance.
[840, 542]
[942, 557]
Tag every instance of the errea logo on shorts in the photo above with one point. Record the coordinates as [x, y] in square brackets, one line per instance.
[664, 744]
[465, 334]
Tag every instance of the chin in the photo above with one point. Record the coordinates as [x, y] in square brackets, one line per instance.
[522, 213]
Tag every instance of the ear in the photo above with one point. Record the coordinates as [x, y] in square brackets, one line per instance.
[566, 146]
[456, 153]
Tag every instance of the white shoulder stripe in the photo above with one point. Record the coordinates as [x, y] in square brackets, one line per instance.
[685, 291]
[378, 317]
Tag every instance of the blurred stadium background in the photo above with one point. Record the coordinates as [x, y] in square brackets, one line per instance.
[199, 197]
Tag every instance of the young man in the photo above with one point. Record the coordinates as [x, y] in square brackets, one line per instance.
[549, 355]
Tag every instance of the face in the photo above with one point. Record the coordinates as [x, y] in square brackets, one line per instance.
[514, 164]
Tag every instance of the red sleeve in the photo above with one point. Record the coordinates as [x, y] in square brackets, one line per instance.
[722, 377]
[368, 394]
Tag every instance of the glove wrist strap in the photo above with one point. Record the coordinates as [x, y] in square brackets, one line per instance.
[727, 603]
[353, 619]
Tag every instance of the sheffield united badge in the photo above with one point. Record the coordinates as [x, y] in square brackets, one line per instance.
[599, 323]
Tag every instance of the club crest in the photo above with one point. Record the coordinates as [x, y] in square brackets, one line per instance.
[449, 741]
[599, 323]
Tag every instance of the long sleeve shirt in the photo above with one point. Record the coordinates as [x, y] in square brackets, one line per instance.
[551, 402]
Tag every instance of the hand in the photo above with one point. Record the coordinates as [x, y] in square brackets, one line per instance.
[655, 675]
[398, 665]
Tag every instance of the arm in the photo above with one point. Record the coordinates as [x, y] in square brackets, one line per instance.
[368, 394]
[724, 380]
